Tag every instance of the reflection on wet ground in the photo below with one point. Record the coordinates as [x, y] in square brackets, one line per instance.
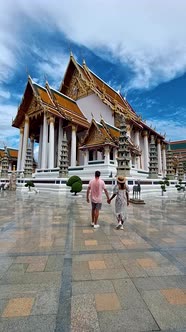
[59, 274]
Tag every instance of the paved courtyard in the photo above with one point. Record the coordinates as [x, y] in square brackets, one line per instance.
[59, 274]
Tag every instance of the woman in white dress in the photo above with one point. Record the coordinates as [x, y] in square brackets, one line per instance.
[121, 192]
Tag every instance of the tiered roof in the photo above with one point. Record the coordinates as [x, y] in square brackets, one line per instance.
[50, 100]
[97, 136]
[102, 133]
[12, 153]
[107, 94]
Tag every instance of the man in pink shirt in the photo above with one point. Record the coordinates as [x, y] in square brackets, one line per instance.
[95, 189]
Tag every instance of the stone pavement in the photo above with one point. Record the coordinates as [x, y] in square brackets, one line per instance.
[59, 274]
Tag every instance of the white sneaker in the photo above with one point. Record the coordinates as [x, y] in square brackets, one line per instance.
[92, 224]
[96, 226]
[121, 227]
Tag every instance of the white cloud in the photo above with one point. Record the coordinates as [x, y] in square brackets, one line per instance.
[4, 94]
[7, 132]
[174, 129]
[148, 36]
[53, 68]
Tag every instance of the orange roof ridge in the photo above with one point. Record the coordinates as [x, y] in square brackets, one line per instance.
[108, 124]
[63, 95]
[38, 86]
[104, 81]
[42, 87]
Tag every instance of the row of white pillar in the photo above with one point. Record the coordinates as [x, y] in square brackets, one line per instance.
[46, 155]
[160, 151]
[45, 148]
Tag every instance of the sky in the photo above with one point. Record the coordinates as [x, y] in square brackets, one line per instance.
[136, 46]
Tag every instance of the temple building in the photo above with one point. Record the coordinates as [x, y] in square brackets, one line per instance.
[12, 155]
[88, 112]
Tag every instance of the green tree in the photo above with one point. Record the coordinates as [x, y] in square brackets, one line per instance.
[164, 184]
[75, 183]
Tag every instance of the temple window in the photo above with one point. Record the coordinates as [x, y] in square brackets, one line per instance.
[91, 155]
[111, 154]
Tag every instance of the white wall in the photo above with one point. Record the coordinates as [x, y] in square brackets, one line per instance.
[92, 104]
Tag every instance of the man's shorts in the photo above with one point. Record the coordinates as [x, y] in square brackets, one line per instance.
[96, 206]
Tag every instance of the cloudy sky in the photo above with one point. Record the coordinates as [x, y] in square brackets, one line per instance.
[136, 46]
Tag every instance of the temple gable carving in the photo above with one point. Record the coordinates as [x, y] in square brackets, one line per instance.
[77, 87]
[34, 107]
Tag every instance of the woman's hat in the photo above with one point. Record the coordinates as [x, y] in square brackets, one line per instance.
[121, 179]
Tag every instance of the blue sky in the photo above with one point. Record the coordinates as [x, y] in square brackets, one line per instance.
[136, 46]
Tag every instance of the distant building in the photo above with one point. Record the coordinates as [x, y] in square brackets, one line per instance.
[12, 158]
[179, 149]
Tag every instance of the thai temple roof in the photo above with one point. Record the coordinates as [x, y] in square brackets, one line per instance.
[52, 101]
[12, 153]
[60, 103]
[97, 135]
[106, 93]
[69, 108]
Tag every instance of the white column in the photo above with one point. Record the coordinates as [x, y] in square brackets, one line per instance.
[159, 156]
[128, 130]
[115, 153]
[107, 155]
[25, 141]
[44, 142]
[164, 160]
[51, 142]
[20, 149]
[60, 137]
[32, 145]
[73, 147]
[137, 142]
[146, 151]
[85, 153]
[40, 146]
[136, 138]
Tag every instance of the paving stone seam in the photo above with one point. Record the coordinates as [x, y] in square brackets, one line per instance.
[63, 318]
[174, 261]
[165, 253]
[93, 251]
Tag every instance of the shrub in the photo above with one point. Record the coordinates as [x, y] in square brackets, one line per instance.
[29, 184]
[164, 183]
[180, 185]
[75, 183]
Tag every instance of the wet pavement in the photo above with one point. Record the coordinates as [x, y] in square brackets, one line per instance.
[59, 274]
